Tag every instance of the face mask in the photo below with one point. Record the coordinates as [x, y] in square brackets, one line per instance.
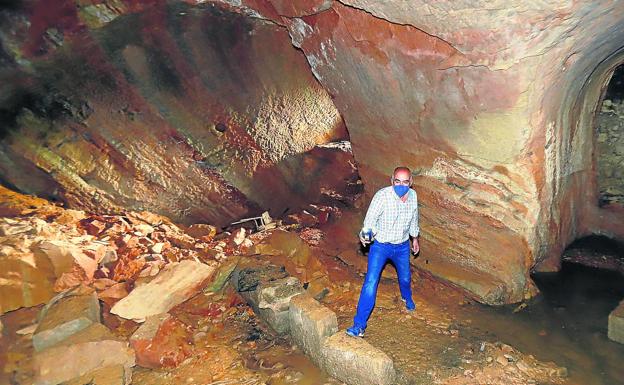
[400, 190]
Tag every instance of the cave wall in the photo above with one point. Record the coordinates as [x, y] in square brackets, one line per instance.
[492, 103]
[197, 113]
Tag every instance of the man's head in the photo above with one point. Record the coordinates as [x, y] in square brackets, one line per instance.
[401, 180]
[402, 176]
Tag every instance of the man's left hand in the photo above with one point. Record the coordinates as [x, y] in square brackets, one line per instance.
[415, 246]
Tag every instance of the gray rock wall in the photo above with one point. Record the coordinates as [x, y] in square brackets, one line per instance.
[610, 147]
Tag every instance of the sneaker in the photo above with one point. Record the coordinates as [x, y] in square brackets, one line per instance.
[355, 331]
[409, 305]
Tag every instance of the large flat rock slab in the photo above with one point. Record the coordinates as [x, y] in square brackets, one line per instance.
[90, 349]
[310, 325]
[66, 317]
[616, 324]
[176, 283]
[356, 362]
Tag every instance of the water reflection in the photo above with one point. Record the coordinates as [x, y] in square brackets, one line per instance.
[566, 324]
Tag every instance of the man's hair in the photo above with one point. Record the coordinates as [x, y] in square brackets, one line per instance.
[402, 168]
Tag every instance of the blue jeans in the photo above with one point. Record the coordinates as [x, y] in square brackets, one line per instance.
[378, 255]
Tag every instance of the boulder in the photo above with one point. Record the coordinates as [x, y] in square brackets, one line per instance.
[310, 323]
[64, 256]
[356, 362]
[162, 341]
[176, 283]
[25, 280]
[271, 300]
[65, 317]
[92, 348]
[616, 324]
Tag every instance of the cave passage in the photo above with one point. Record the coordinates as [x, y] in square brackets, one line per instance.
[182, 185]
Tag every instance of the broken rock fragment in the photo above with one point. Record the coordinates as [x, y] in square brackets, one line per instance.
[25, 280]
[90, 349]
[202, 231]
[65, 317]
[176, 283]
[162, 341]
[64, 256]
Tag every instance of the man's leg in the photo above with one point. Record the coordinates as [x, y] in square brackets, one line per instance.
[401, 257]
[377, 257]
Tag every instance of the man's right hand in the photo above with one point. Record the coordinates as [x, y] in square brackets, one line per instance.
[364, 239]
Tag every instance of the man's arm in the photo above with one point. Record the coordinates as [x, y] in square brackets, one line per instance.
[414, 229]
[375, 209]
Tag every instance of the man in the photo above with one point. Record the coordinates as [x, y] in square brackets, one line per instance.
[391, 219]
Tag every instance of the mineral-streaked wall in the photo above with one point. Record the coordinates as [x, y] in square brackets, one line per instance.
[194, 112]
[490, 102]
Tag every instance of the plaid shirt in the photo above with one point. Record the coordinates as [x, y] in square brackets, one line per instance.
[391, 219]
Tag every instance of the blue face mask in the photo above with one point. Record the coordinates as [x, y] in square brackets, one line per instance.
[400, 190]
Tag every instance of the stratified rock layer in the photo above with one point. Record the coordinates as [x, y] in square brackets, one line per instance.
[193, 112]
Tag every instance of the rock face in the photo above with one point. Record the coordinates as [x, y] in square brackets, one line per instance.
[490, 103]
[176, 283]
[219, 105]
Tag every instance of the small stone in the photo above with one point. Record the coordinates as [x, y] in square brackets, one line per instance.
[94, 227]
[502, 360]
[239, 236]
[157, 248]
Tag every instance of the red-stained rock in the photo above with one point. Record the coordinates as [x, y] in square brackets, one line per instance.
[94, 226]
[162, 341]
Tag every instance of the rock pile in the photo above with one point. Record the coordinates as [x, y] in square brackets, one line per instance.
[97, 273]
